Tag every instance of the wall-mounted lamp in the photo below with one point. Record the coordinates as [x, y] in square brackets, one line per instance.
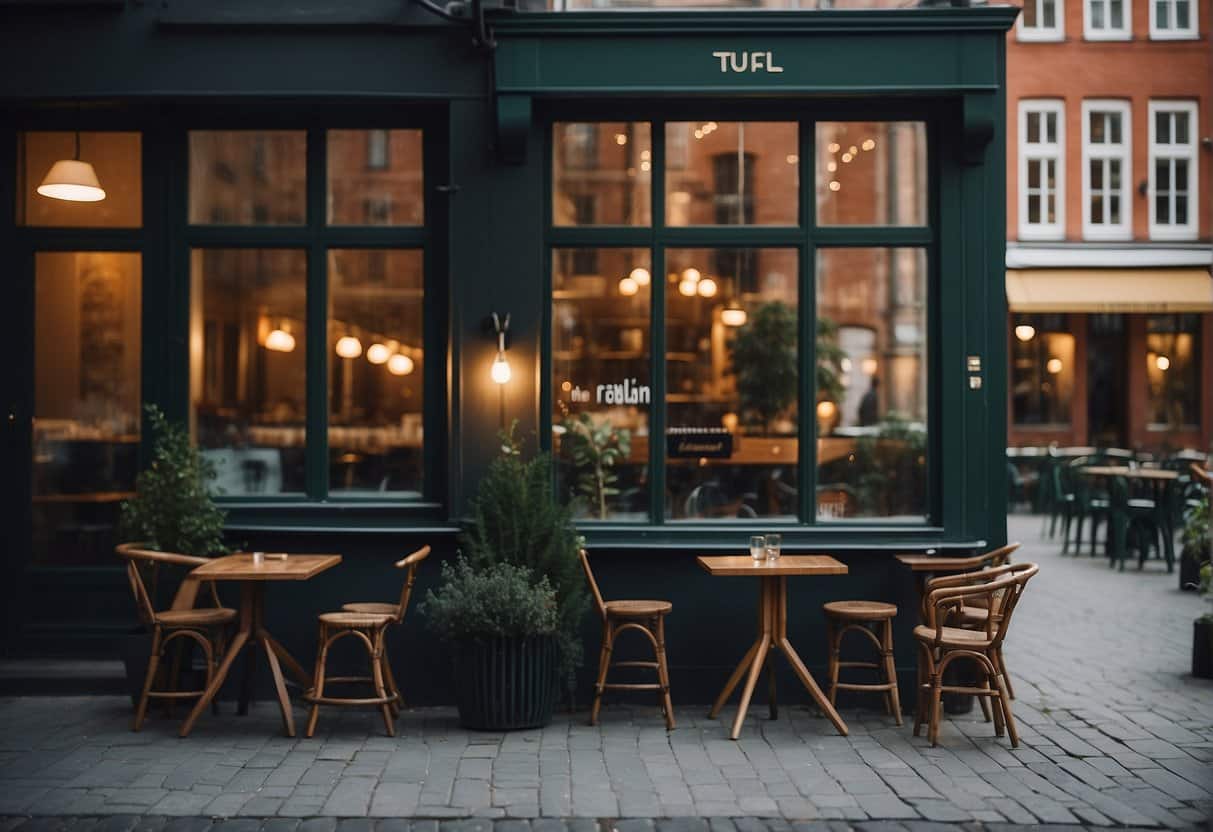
[72, 180]
[500, 371]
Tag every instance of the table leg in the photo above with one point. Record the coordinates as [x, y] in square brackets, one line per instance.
[237, 644]
[763, 645]
[284, 701]
[292, 665]
[780, 605]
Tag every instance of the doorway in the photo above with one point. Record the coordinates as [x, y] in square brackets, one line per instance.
[1107, 389]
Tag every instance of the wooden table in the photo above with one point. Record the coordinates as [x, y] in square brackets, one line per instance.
[1154, 474]
[240, 567]
[772, 627]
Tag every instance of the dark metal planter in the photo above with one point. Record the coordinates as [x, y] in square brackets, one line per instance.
[1202, 648]
[504, 684]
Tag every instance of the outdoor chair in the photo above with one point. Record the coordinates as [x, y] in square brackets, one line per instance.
[1062, 499]
[874, 619]
[182, 623]
[995, 590]
[1131, 520]
[396, 611]
[647, 617]
[1090, 503]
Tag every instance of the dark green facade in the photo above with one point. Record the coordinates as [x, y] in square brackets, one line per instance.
[487, 110]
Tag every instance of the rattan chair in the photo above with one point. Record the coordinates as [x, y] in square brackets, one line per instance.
[997, 591]
[206, 627]
[647, 617]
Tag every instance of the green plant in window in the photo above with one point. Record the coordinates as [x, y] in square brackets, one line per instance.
[172, 509]
[765, 363]
[888, 469]
[594, 448]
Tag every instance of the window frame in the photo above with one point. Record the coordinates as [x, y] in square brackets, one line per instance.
[1192, 32]
[1043, 34]
[1123, 32]
[1122, 152]
[1174, 231]
[1041, 152]
[806, 237]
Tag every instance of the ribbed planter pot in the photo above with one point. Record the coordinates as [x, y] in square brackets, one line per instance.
[505, 684]
[1202, 648]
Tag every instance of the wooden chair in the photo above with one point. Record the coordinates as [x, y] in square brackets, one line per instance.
[648, 617]
[997, 591]
[207, 627]
[845, 616]
[368, 623]
[396, 611]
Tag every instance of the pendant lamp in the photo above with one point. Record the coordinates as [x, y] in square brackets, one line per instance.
[72, 180]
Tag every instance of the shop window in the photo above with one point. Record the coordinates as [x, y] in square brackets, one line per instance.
[116, 160]
[1106, 174]
[601, 173]
[375, 177]
[375, 374]
[87, 358]
[1107, 19]
[871, 173]
[247, 177]
[600, 382]
[871, 402]
[1042, 371]
[1042, 174]
[1042, 20]
[1173, 19]
[736, 173]
[1173, 183]
[1173, 371]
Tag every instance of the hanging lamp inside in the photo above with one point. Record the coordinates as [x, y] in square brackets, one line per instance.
[72, 180]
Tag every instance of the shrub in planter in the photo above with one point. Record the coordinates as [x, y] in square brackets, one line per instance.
[1197, 545]
[501, 624]
[1202, 630]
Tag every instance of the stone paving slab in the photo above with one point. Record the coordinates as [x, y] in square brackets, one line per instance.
[1114, 734]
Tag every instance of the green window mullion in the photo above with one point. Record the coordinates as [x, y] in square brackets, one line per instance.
[316, 460]
[807, 427]
[657, 289]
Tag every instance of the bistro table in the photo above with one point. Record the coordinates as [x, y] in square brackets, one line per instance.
[1158, 478]
[253, 578]
[772, 627]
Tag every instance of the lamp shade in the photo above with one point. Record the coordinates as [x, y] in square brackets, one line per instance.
[72, 180]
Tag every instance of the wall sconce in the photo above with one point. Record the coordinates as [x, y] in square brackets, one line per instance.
[72, 180]
[500, 371]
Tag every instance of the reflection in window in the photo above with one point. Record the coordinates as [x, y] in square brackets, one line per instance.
[602, 173]
[872, 173]
[116, 159]
[375, 370]
[734, 173]
[375, 177]
[247, 177]
[1042, 370]
[86, 401]
[871, 383]
[247, 369]
[731, 375]
[601, 395]
[1173, 370]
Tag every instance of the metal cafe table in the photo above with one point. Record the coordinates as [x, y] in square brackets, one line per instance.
[772, 627]
[253, 578]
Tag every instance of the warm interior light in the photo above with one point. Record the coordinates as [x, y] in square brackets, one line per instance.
[831, 166]
[729, 421]
[628, 287]
[349, 347]
[826, 411]
[279, 340]
[641, 276]
[835, 185]
[378, 353]
[1025, 332]
[1053, 365]
[621, 139]
[399, 364]
[73, 181]
[707, 287]
[691, 274]
[869, 366]
[792, 158]
[500, 371]
[853, 150]
[846, 157]
[834, 146]
[733, 315]
[688, 288]
[1163, 363]
[869, 144]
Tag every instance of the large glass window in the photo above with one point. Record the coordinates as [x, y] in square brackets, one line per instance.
[1042, 171]
[1173, 371]
[116, 162]
[678, 352]
[375, 178]
[1042, 370]
[1174, 185]
[1106, 173]
[248, 177]
[601, 173]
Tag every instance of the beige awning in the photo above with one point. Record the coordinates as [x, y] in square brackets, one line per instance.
[1110, 290]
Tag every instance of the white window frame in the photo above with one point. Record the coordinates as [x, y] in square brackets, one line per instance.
[1122, 230]
[1055, 33]
[1123, 32]
[1043, 151]
[1186, 152]
[1192, 32]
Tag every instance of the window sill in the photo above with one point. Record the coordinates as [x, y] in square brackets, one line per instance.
[337, 517]
[733, 537]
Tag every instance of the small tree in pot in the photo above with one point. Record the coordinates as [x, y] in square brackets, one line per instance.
[1202, 629]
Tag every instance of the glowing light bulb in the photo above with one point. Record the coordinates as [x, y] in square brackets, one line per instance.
[846, 157]
[832, 166]
[835, 185]
[500, 371]
[834, 147]
[641, 276]
[1163, 363]
[869, 144]
[792, 158]
[1053, 365]
[707, 288]
[733, 315]
[1025, 332]
[628, 287]
[349, 347]
[378, 353]
[826, 411]
[869, 366]
[853, 150]
[621, 139]
[400, 364]
[688, 288]
[279, 340]
[691, 274]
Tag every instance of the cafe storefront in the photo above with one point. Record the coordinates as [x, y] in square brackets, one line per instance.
[754, 257]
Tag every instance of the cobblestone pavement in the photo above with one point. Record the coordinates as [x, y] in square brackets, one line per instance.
[1114, 733]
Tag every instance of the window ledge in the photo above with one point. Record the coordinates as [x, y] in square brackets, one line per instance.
[337, 516]
[733, 537]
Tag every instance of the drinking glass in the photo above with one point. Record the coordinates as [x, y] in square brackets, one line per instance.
[773, 545]
[758, 547]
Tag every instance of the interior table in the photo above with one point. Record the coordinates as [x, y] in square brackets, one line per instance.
[772, 627]
[253, 578]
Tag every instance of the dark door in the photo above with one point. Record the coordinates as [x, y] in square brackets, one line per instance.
[1107, 388]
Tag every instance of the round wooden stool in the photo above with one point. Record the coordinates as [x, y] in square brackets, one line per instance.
[370, 630]
[842, 616]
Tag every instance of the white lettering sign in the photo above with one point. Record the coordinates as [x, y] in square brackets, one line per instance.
[747, 62]
[627, 393]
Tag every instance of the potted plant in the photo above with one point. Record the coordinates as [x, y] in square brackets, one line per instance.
[594, 448]
[172, 511]
[1202, 629]
[517, 522]
[1197, 546]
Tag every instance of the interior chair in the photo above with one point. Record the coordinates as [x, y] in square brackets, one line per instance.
[647, 617]
[179, 625]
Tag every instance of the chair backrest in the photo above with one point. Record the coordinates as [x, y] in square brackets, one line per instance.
[998, 590]
[599, 604]
[409, 562]
[139, 559]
